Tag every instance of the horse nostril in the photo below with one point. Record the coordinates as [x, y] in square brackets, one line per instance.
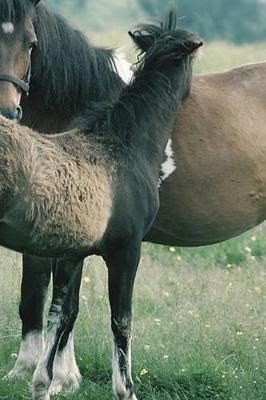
[14, 113]
[18, 114]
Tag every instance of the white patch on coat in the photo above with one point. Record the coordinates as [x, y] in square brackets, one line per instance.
[122, 67]
[168, 166]
[8, 28]
[66, 375]
[31, 348]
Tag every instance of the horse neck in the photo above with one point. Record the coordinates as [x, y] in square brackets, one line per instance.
[67, 73]
[148, 107]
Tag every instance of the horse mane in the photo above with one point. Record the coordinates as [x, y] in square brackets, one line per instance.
[67, 70]
[14, 11]
[151, 89]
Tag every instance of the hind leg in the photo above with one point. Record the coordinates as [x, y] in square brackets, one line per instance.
[66, 374]
[35, 281]
[61, 319]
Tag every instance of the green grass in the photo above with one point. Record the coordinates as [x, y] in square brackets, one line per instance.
[199, 331]
[200, 314]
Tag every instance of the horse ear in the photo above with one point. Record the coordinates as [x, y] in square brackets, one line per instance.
[196, 46]
[35, 2]
[192, 47]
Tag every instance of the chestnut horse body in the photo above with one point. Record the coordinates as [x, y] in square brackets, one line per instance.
[218, 189]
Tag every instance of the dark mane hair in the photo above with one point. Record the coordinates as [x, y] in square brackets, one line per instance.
[67, 71]
[165, 50]
[14, 10]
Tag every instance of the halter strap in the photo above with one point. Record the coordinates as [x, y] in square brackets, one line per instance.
[24, 85]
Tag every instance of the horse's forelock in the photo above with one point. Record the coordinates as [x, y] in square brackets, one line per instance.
[15, 11]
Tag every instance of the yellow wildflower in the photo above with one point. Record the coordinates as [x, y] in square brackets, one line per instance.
[143, 372]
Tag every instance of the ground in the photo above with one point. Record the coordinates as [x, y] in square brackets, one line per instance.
[199, 331]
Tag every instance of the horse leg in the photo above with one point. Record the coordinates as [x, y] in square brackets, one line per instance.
[66, 374]
[35, 281]
[122, 266]
[61, 316]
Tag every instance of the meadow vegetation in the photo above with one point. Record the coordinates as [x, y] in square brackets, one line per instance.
[238, 21]
[200, 314]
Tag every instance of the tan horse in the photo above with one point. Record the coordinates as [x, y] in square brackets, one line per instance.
[218, 189]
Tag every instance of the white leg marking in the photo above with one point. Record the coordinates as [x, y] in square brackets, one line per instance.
[66, 375]
[119, 380]
[8, 28]
[31, 348]
[168, 166]
[122, 67]
[41, 380]
[119, 383]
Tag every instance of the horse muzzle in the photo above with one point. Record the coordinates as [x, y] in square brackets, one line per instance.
[14, 113]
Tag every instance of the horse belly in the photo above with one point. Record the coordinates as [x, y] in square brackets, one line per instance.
[218, 189]
[195, 215]
[70, 214]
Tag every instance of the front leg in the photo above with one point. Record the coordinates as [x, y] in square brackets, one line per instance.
[122, 266]
[35, 280]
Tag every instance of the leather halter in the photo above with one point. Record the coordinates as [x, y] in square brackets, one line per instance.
[24, 85]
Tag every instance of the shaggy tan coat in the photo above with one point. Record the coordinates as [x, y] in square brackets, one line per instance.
[64, 197]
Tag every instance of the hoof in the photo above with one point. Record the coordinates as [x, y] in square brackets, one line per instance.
[66, 375]
[126, 397]
[39, 392]
[18, 372]
[55, 388]
[68, 384]
[29, 354]
[121, 393]
[40, 385]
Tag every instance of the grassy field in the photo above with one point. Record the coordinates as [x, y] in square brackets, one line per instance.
[200, 314]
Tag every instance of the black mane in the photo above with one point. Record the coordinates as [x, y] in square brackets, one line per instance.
[14, 10]
[67, 70]
[164, 49]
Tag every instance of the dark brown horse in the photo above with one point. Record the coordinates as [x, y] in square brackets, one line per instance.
[65, 194]
[217, 149]
[65, 73]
